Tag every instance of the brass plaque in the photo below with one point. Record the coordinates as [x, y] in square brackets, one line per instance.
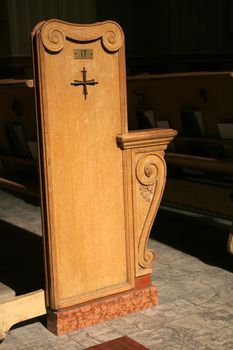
[83, 53]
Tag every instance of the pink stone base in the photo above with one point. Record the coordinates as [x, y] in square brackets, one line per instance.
[68, 320]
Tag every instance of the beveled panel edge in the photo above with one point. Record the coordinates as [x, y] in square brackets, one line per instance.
[128, 212]
[45, 194]
[54, 33]
[91, 296]
[129, 284]
[145, 138]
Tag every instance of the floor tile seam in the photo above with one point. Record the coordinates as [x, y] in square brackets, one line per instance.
[209, 333]
[22, 342]
[200, 346]
[149, 328]
[116, 329]
[213, 332]
[228, 327]
[203, 302]
[171, 338]
[181, 314]
[230, 304]
[194, 274]
[207, 308]
[156, 317]
[87, 337]
[206, 318]
[197, 343]
[131, 323]
[190, 303]
[168, 323]
[165, 326]
[184, 333]
[186, 300]
[76, 341]
[15, 347]
[85, 345]
[121, 332]
[202, 316]
[55, 342]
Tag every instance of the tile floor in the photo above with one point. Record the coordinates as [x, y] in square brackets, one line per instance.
[193, 273]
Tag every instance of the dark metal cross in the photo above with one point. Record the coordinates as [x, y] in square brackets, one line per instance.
[84, 82]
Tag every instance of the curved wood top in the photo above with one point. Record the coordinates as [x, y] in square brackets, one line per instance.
[55, 32]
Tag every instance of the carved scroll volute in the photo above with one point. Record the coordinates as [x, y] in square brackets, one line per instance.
[54, 34]
[150, 174]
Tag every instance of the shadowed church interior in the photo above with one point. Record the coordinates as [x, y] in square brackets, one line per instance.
[116, 187]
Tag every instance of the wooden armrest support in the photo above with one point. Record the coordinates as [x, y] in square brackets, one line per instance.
[144, 151]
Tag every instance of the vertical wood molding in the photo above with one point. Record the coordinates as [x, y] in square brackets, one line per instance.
[150, 175]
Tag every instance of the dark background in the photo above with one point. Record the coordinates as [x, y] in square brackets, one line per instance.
[161, 35]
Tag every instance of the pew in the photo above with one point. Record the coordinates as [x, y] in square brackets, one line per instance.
[100, 185]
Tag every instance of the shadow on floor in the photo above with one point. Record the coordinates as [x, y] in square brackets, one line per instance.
[21, 252]
[21, 259]
[201, 237]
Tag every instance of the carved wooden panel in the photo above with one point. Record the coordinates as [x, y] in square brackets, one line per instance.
[86, 212]
[145, 150]
[101, 186]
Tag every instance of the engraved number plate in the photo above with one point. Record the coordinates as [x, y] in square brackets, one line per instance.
[83, 53]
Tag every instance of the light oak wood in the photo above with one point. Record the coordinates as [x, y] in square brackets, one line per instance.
[148, 174]
[83, 177]
[96, 211]
[20, 309]
[143, 138]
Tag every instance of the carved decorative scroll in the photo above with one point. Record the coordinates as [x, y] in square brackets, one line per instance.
[146, 150]
[150, 173]
[147, 170]
[54, 34]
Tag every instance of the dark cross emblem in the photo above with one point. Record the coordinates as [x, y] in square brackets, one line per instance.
[84, 82]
